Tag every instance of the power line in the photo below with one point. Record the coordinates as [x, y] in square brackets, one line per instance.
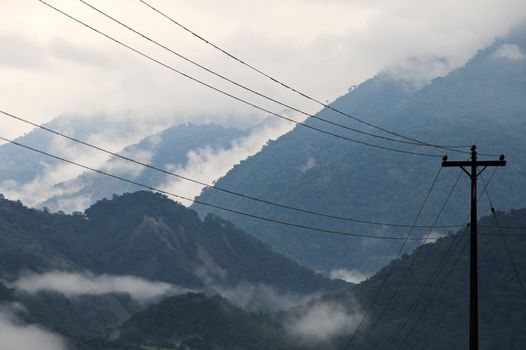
[215, 187]
[413, 260]
[279, 82]
[233, 96]
[231, 192]
[391, 266]
[241, 85]
[434, 274]
[437, 290]
[508, 251]
[416, 322]
[254, 216]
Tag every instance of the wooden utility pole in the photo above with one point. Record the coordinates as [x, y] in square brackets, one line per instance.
[473, 268]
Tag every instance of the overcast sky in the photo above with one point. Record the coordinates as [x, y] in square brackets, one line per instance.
[52, 66]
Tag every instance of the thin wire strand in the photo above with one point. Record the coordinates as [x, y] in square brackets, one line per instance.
[284, 206]
[215, 187]
[508, 251]
[391, 266]
[254, 216]
[241, 85]
[411, 264]
[275, 80]
[233, 96]
[435, 274]
[437, 290]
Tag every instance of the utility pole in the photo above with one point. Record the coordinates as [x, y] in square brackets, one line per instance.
[473, 268]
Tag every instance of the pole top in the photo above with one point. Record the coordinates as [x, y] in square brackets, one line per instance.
[473, 148]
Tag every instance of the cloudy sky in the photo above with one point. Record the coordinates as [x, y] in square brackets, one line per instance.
[52, 66]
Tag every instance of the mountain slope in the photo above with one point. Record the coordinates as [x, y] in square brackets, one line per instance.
[168, 149]
[198, 321]
[479, 103]
[444, 324]
[146, 235]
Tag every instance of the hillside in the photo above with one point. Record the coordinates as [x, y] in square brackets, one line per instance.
[44, 182]
[168, 149]
[502, 301]
[481, 102]
[203, 322]
[199, 322]
[146, 235]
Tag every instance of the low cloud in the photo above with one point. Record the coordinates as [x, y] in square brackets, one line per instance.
[322, 322]
[351, 276]
[510, 52]
[75, 284]
[207, 164]
[415, 72]
[16, 335]
[262, 297]
[112, 134]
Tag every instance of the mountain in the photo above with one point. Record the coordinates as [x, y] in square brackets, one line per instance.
[480, 103]
[23, 166]
[444, 323]
[168, 149]
[140, 235]
[195, 321]
[439, 321]
[206, 320]
[146, 235]
[42, 181]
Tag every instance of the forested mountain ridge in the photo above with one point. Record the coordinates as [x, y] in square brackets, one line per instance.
[166, 150]
[42, 182]
[481, 102]
[146, 235]
[209, 321]
[39, 241]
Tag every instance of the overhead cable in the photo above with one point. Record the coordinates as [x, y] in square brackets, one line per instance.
[239, 99]
[391, 266]
[171, 194]
[287, 86]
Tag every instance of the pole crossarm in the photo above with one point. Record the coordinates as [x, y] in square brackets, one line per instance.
[478, 163]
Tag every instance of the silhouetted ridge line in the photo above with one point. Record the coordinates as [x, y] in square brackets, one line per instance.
[254, 216]
[284, 206]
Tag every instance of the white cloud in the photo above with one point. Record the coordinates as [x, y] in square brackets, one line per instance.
[207, 164]
[322, 47]
[510, 52]
[321, 322]
[262, 297]
[15, 335]
[351, 276]
[117, 133]
[74, 284]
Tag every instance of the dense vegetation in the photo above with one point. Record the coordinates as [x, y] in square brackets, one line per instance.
[40, 241]
[481, 102]
[165, 150]
[444, 324]
[196, 321]
[146, 235]
[210, 322]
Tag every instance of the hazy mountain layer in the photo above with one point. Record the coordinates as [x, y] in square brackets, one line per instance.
[480, 103]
